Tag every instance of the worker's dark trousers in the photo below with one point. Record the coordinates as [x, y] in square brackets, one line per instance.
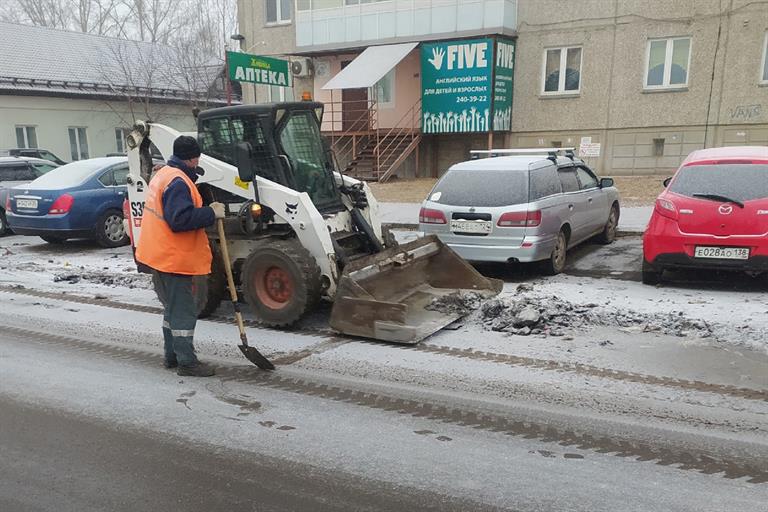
[180, 295]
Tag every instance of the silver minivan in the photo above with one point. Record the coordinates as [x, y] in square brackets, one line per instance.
[529, 206]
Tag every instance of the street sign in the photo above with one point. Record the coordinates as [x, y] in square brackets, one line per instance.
[456, 86]
[258, 70]
[589, 150]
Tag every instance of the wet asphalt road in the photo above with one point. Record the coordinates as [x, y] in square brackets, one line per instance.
[63, 463]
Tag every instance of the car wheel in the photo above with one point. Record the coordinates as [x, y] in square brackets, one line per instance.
[3, 224]
[608, 235]
[54, 239]
[651, 274]
[110, 231]
[556, 262]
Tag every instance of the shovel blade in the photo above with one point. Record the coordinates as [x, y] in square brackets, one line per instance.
[256, 358]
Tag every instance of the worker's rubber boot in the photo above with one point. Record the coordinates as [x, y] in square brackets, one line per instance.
[199, 370]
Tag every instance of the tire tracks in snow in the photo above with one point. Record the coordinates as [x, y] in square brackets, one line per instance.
[666, 452]
[334, 340]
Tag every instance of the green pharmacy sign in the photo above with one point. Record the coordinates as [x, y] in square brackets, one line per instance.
[467, 85]
[258, 70]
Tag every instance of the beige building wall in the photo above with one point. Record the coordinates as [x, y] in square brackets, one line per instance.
[52, 117]
[642, 131]
[268, 39]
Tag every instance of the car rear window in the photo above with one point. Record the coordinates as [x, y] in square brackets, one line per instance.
[742, 182]
[69, 175]
[544, 183]
[482, 188]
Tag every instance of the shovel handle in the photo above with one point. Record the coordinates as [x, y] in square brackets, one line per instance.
[225, 256]
[230, 280]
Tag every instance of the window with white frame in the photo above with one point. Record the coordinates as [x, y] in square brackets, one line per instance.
[764, 75]
[385, 90]
[120, 140]
[667, 62]
[562, 70]
[278, 94]
[26, 137]
[78, 143]
[278, 11]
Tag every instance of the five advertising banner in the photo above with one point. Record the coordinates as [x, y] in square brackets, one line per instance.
[467, 85]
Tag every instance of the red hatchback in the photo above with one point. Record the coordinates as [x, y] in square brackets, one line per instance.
[712, 215]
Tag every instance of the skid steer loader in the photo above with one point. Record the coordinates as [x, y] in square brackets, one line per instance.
[298, 231]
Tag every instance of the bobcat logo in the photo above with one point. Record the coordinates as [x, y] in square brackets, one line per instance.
[290, 209]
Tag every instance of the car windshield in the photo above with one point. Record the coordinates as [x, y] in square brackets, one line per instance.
[69, 175]
[739, 182]
[482, 188]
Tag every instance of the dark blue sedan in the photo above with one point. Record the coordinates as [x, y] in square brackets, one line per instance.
[79, 200]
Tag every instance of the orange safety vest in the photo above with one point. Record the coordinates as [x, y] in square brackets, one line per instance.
[186, 252]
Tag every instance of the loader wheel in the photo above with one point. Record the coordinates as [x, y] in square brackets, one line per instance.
[281, 282]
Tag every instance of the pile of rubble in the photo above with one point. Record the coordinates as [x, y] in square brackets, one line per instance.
[127, 280]
[528, 314]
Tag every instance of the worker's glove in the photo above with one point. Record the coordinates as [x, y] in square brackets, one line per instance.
[218, 210]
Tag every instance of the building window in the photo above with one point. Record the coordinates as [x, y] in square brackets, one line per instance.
[120, 140]
[658, 147]
[313, 5]
[764, 76]
[385, 90]
[562, 70]
[26, 137]
[78, 143]
[278, 11]
[278, 94]
[667, 63]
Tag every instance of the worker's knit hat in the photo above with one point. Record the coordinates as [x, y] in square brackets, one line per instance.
[186, 147]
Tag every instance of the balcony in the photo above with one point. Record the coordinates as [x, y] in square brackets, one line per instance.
[339, 24]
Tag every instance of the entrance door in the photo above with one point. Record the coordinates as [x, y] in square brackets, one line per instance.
[354, 108]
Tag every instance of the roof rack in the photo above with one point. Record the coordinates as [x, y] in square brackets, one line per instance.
[551, 153]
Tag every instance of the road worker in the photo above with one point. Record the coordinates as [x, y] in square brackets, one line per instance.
[174, 244]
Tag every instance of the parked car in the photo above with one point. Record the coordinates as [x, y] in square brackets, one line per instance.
[521, 208]
[16, 171]
[78, 200]
[43, 154]
[713, 214]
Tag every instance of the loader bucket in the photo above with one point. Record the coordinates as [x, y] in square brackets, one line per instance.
[385, 296]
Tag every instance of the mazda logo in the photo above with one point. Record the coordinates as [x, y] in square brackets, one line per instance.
[725, 209]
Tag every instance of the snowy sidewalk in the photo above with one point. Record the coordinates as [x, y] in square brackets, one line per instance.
[633, 219]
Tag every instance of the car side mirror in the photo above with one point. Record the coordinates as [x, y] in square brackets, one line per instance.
[606, 182]
[666, 182]
[244, 160]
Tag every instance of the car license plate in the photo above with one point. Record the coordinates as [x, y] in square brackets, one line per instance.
[471, 226]
[722, 253]
[26, 203]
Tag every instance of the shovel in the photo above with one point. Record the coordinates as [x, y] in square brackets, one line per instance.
[248, 351]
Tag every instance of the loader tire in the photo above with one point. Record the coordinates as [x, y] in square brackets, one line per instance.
[281, 282]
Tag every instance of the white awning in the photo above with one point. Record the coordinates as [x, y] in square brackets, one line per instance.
[370, 66]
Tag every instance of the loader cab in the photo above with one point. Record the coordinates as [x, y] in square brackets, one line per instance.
[285, 146]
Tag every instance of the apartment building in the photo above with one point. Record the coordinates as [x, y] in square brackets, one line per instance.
[634, 85]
